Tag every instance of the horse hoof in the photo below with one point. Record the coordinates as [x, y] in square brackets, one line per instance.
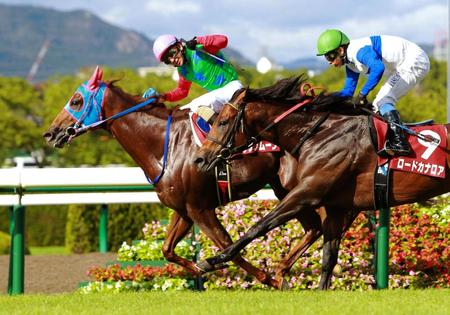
[220, 266]
[205, 266]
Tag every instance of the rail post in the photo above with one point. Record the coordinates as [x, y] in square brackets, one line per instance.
[17, 250]
[103, 229]
[382, 249]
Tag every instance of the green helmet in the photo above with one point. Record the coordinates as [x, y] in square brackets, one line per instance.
[330, 40]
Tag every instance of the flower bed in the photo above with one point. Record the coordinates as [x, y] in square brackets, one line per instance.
[151, 250]
[419, 252]
[137, 278]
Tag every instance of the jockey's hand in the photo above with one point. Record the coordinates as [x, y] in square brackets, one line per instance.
[151, 92]
[360, 100]
[191, 44]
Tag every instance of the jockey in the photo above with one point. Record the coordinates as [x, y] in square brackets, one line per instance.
[403, 63]
[199, 60]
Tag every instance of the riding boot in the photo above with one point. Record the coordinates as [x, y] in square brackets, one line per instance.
[396, 145]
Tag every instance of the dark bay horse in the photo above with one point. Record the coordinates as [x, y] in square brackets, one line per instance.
[335, 166]
[182, 187]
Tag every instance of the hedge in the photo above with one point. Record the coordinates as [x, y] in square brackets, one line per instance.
[44, 225]
[125, 222]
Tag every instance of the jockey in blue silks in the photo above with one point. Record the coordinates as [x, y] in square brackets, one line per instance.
[403, 63]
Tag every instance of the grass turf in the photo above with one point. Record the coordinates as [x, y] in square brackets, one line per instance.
[431, 301]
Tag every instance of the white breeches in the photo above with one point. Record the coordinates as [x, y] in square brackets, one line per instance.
[409, 73]
[216, 98]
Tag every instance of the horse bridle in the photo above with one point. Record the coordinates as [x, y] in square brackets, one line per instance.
[78, 128]
[227, 146]
[227, 149]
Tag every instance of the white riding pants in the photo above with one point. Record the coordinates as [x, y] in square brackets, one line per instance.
[215, 99]
[409, 73]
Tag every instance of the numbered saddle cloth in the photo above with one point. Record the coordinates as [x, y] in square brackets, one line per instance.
[426, 158]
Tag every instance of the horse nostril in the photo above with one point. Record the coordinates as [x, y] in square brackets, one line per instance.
[199, 160]
[47, 136]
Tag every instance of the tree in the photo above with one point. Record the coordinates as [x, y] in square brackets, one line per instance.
[20, 105]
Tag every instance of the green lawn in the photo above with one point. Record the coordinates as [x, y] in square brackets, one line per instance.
[235, 303]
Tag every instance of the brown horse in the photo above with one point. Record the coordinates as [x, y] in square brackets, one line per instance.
[181, 187]
[335, 166]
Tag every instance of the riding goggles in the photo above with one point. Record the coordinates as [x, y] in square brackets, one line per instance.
[170, 54]
[331, 56]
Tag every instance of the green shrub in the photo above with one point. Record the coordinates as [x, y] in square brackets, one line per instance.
[82, 228]
[44, 225]
[125, 223]
[5, 242]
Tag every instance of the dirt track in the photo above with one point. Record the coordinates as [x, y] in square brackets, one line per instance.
[54, 274]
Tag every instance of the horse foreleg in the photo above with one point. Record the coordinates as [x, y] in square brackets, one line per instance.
[312, 225]
[176, 231]
[213, 229]
[333, 229]
[286, 210]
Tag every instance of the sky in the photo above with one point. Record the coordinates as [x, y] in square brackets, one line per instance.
[283, 30]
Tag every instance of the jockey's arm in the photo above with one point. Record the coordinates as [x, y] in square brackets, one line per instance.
[213, 43]
[368, 57]
[350, 82]
[180, 92]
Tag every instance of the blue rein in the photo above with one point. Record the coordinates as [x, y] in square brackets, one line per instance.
[166, 146]
[78, 130]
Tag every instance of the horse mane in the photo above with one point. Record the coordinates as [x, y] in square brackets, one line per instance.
[287, 91]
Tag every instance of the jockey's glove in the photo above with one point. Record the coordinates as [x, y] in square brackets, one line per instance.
[191, 44]
[151, 92]
[360, 100]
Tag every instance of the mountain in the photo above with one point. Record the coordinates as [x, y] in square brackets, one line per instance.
[76, 39]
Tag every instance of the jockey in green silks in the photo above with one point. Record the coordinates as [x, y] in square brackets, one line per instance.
[199, 60]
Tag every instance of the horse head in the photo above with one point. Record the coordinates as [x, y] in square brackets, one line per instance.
[83, 109]
[220, 142]
[93, 104]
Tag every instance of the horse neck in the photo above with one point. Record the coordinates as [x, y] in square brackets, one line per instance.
[289, 130]
[140, 133]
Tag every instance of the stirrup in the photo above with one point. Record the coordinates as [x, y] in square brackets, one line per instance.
[392, 152]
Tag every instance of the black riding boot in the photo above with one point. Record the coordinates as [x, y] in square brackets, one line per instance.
[396, 143]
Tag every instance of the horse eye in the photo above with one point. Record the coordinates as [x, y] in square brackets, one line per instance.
[76, 103]
[223, 122]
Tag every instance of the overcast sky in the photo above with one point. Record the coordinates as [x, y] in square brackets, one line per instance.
[285, 30]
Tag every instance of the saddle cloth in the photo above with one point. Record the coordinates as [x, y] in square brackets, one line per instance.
[426, 158]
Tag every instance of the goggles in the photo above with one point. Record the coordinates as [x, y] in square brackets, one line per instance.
[170, 54]
[331, 56]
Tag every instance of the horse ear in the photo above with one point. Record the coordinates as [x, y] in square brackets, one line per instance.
[241, 97]
[96, 78]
